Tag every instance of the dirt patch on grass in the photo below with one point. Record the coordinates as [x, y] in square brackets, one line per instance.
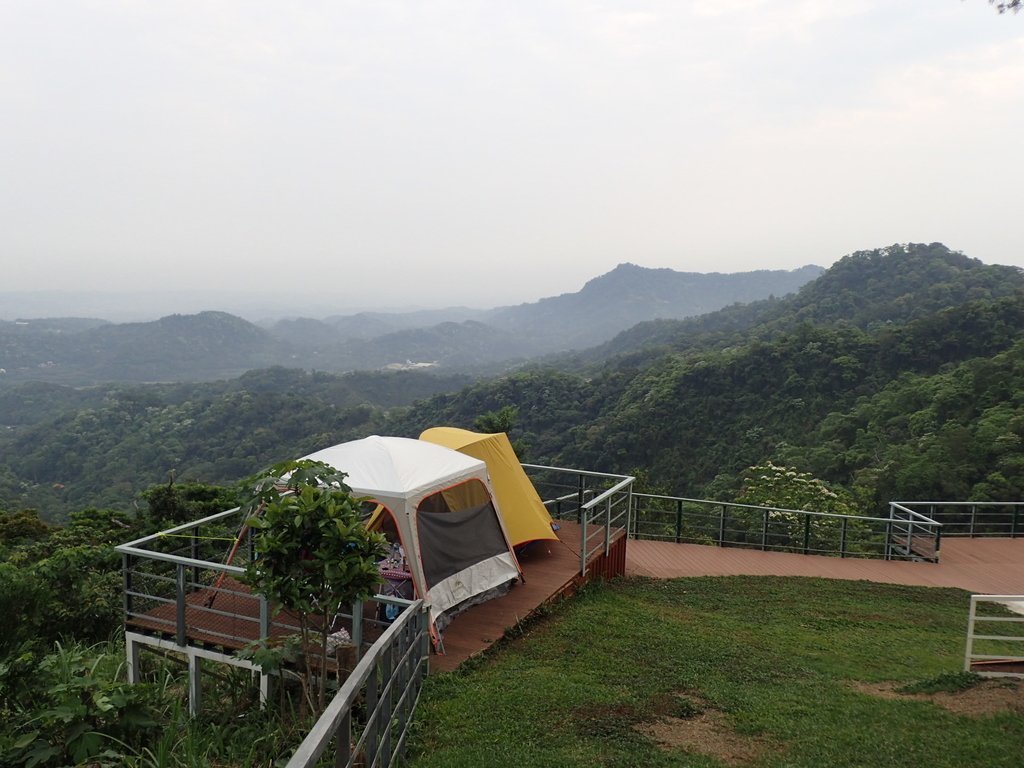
[989, 697]
[703, 730]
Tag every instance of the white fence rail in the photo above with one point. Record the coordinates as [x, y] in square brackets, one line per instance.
[1003, 650]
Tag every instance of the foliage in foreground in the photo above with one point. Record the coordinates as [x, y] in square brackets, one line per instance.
[70, 704]
[776, 659]
[63, 582]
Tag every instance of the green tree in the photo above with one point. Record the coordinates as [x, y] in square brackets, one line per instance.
[314, 556]
[176, 503]
[22, 527]
[501, 420]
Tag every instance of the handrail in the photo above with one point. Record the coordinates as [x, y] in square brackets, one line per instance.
[728, 523]
[166, 557]
[960, 503]
[914, 536]
[409, 634]
[593, 507]
[924, 518]
[584, 472]
[628, 481]
[756, 506]
[182, 527]
[973, 518]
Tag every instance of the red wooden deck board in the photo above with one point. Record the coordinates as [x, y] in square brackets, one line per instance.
[984, 566]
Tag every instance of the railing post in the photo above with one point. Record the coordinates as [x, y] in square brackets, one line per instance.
[126, 600]
[764, 530]
[1013, 525]
[343, 741]
[888, 532]
[581, 495]
[424, 642]
[721, 526]
[180, 604]
[388, 700]
[679, 520]
[969, 648]
[607, 524]
[629, 511]
[404, 678]
[195, 556]
[842, 537]
[974, 515]
[583, 542]
[372, 703]
[807, 533]
[357, 629]
[264, 619]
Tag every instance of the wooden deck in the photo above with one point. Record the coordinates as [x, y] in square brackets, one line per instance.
[983, 566]
[235, 624]
[226, 619]
[551, 570]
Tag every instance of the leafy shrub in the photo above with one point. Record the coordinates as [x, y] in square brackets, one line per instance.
[72, 707]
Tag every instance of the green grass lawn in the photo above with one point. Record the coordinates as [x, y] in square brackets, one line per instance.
[767, 665]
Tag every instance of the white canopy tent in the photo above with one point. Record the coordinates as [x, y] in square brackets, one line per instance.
[441, 506]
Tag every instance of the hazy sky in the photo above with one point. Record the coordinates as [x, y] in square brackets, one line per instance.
[482, 153]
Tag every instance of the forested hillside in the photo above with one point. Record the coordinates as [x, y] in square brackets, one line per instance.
[101, 446]
[894, 374]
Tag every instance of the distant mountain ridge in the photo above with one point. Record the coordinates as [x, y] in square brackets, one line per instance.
[895, 284]
[211, 345]
[631, 294]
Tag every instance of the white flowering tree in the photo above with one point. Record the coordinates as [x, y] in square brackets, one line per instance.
[785, 488]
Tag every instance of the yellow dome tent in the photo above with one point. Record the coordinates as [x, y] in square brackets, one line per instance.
[525, 517]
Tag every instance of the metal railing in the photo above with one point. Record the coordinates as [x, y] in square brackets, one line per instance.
[180, 583]
[972, 518]
[776, 529]
[1003, 656]
[601, 503]
[387, 681]
[163, 570]
[912, 535]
